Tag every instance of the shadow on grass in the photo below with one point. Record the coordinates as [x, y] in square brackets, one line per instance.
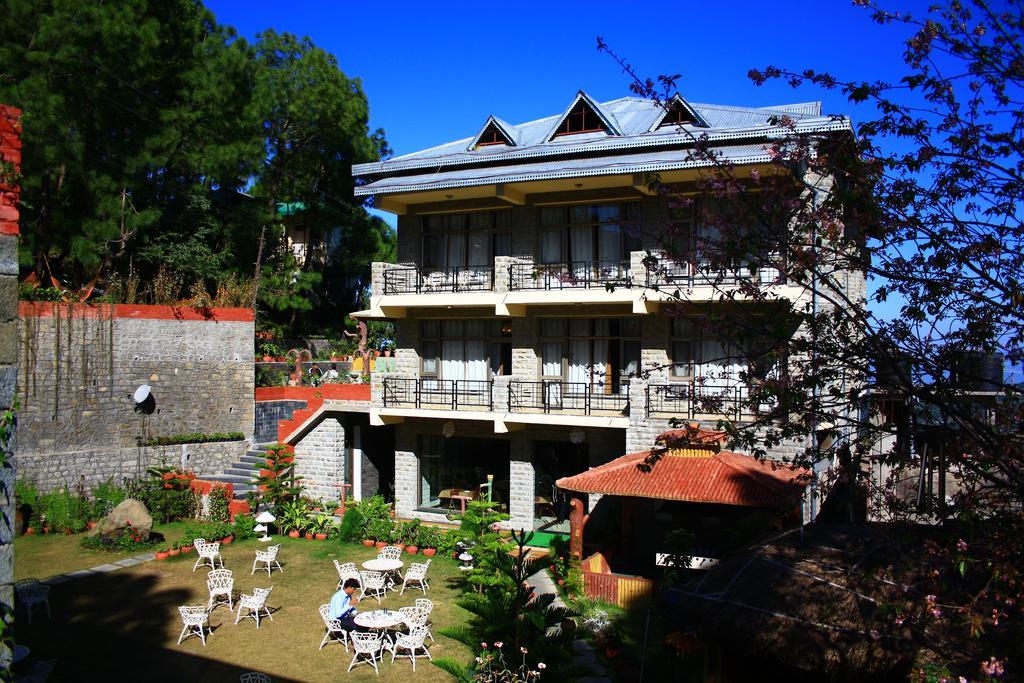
[103, 624]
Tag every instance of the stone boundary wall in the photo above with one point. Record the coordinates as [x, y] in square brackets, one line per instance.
[51, 471]
[81, 363]
[10, 192]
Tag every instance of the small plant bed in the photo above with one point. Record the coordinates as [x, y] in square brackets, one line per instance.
[130, 541]
[195, 438]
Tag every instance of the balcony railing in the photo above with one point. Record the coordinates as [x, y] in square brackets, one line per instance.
[413, 280]
[698, 397]
[446, 394]
[668, 272]
[575, 275]
[548, 396]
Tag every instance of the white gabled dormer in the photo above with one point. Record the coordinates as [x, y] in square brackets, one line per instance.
[584, 115]
[679, 112]
[494, 132]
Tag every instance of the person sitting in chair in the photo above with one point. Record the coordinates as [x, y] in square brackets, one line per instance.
[342, 605]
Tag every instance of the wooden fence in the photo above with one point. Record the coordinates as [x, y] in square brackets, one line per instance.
[617, 589]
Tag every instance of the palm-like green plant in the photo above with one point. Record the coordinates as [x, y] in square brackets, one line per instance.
[510, 613]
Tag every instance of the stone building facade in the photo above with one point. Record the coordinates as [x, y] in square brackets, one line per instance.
[81, 364]
[534, 337]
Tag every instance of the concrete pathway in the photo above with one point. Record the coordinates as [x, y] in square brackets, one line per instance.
[583, 653]
[100, 569]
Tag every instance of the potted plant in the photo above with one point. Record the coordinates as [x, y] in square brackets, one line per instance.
[162, 555]
[174, 550]
[187, 548]
[380, 530]
[428, 540]
[407, 536]
[321, 526]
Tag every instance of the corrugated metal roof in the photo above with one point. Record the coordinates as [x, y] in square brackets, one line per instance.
[633, 117]
[694, 475]
[645, 162]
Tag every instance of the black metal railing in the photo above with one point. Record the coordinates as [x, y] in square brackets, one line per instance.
[426, 392]
[413, 280]
[575, 275]
[549, 396]
[698, 397]
[667, 272]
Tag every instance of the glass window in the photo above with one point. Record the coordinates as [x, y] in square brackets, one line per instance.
[503, 244]
[553, 327]
[682, 359]
[551, 246]
[460, 467]
[429, 355]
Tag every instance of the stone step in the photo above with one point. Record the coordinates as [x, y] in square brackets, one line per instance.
[254, 457]
[234, 479]
[255, 453]
[241, 471]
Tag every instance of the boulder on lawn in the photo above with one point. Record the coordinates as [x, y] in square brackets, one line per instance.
[128, 510]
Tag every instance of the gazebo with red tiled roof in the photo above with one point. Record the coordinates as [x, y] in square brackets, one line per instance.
[687, 466]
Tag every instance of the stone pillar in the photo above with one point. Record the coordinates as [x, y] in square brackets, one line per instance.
[522, 482]
[357, 462]
[10, 167]
[406, 472]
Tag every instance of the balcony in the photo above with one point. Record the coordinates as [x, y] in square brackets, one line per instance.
[509, 404]
[699, 399]
[438, 394]
[574, 275]
[404, 279]
[667, 272]
[555, 396]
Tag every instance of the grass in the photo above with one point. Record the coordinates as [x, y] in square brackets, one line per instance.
[124, 625]
[51, 554]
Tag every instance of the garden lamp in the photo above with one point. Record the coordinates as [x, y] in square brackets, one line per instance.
[264, 518]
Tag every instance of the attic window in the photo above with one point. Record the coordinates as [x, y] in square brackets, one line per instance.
[581, 119]
[492, 135]
[676, 115]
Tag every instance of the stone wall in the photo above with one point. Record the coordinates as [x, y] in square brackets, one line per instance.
[320, 459]
[80, 365]
[10, 166]
[268, 414]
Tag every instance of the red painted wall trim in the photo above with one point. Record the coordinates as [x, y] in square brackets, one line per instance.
[47, 309]
[339, 392]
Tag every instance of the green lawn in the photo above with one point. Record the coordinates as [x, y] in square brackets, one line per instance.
[51, 554]
[124, 625]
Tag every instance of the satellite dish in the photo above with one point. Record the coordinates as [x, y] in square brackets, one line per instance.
[144, 401]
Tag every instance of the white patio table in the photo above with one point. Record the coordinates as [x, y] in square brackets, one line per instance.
[389, 567]
[380, 620]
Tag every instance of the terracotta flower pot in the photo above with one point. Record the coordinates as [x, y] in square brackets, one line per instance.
[186, 549]
[309, 536]
[380, 544]
[90, 524]
[268, 359]
[368, 542]
[174, 552]
[321, 537]
[30, 531]
[162, 555]
[227, 540]
[294, 533]
[429, 552]
[338, 512]
[411, 549]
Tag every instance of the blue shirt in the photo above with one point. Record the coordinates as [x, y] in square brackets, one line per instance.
[341, 605]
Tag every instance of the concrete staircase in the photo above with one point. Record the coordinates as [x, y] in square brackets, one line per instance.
[243, 474]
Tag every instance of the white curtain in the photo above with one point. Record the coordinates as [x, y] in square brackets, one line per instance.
[599, 367]
[582, 254]
[610, 246]
[453, 360]
[551, 246]
[551, 358]
[579, 361]
[476, 360]
[456, 250]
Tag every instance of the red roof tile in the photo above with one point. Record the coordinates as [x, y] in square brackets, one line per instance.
[695, 475]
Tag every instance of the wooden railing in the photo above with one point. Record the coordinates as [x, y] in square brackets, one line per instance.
[617, 589]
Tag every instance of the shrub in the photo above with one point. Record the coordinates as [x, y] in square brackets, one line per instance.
[243, 527]
[277, 481]
[129, 540]
[351, 530]
[380, 530]
[270, 377]
[106, 496]
[195, 437]
[219, 504]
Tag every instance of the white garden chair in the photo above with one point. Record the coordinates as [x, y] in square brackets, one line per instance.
[335, 633]
[367, 647]
[255, 605]
[254, 677]
[195, 619]
[207, 552]
[221, 584]
[412, 617]
[411, 642]
[374, 583]
[268, 557]
[391, 552]
[427, 605]
[31, 592]
[416, 574]
[346, 571]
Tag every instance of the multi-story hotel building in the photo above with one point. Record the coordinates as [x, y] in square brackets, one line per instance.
[531, 343]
